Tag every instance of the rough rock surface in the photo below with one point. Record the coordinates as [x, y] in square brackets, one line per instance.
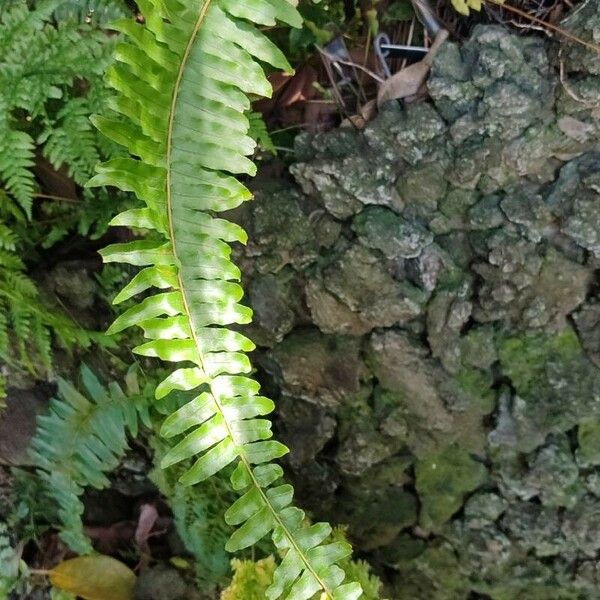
[428, 315]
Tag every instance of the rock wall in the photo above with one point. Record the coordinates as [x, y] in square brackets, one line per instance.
[428, 316]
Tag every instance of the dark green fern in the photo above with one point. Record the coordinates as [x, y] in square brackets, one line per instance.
[101, 12]
[198, 516]
[184, 79]
[27, 324]
[258, 131]
[79, 442]
[52, 64]
[16, 159]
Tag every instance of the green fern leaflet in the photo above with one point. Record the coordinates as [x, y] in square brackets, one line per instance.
[184, 79]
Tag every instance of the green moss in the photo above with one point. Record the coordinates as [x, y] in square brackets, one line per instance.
[478, 384]
[433, 575]
[443, 480]
[250, 580]
[478, 347]
[525, 359]
[588, 438]
[556, 383]
[529, 579]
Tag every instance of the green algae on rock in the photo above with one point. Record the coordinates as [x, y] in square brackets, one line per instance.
[557, 386]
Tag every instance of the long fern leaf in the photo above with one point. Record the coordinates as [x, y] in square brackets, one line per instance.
[184, 79]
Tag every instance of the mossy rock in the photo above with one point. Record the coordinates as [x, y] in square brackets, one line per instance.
[442, 481]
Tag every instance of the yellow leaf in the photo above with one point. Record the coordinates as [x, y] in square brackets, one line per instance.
[180, 563]
[461, 6]
[95, 577]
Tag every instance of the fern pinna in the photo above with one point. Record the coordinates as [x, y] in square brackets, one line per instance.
[184, 77]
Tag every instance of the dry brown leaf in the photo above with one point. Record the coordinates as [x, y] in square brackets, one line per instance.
[300, 87]
[407, 82]
[95, 577]
[146, 523]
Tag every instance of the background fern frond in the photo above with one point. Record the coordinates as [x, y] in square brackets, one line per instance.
[78, 443]
[184, 79]
[71, 141]
[51, 80]
[90, 11]
[16, 160]
[11, 261]
[198, 515]
[8, 238]
[258, 131]
[27, 325]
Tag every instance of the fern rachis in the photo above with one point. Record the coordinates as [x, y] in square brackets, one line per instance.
[184, 78]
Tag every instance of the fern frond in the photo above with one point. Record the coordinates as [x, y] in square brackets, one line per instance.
[198, 517]
[8, 238]
[17, 19]
[86, 11]
[10, 261]
[71, 141]
[16, 160]
[81, 439]
[31, 322]
[40, 60]
[258, 131]
[252, 578]
[184, 79]
[50, 82]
